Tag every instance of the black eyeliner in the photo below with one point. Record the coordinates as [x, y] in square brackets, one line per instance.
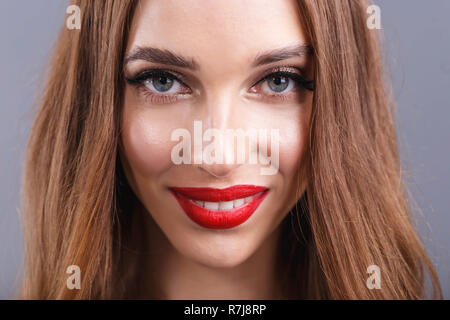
[146, 74]
[307, 84]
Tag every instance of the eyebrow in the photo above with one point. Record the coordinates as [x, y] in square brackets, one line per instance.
[162, 56]
[279, 54]
[167, 57]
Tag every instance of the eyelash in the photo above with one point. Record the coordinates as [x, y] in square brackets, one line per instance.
[157, 98]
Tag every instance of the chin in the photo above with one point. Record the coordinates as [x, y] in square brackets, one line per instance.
[219, 251]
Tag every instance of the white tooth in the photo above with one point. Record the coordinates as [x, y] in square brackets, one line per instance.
[212, 205]
[248, 199]
[226, 205]
[238, 203]
[199, 203]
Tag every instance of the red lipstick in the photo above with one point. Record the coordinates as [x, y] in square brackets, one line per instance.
[220, 208]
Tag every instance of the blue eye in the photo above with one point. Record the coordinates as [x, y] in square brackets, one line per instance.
[278, 83]
[157, 81]
[161, 86]
[161, 83]
[282, 81]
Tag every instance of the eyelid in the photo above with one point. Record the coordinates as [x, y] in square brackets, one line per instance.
[286, 69]
[179, 76]
[145, 74]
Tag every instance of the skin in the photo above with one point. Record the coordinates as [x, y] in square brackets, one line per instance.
[223, 36]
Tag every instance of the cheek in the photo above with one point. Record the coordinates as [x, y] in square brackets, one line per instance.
[146, 144]
[293, 144]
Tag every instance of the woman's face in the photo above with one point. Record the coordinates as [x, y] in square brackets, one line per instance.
[213, 60]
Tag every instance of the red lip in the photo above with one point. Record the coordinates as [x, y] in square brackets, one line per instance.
[214, 219]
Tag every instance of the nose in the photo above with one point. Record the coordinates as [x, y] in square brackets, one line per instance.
[219, 170]
[221, 120]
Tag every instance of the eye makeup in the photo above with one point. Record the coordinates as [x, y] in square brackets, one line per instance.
[288, 72]
[293, 74]
[144, 81]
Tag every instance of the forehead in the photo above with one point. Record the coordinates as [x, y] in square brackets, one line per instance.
[216, 30]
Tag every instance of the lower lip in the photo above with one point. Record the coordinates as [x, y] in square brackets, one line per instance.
[212, 219]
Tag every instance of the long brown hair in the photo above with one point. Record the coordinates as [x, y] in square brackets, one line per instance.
[77, 206]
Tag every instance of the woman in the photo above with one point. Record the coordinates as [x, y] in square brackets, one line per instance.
[115, 185]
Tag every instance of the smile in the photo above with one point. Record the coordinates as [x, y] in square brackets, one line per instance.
[220, 208]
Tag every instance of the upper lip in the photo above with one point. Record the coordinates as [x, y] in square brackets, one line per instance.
[218, 195]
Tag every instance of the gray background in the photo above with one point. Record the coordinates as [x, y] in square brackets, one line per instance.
[417, 46]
